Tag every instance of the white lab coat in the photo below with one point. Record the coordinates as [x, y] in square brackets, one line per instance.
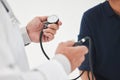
[13, 61]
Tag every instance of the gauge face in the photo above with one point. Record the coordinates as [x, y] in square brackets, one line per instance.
[53, 19]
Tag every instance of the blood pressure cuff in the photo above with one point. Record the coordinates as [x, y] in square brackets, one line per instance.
[85, 64]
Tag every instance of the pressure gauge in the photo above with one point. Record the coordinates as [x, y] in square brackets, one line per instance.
[53, 19]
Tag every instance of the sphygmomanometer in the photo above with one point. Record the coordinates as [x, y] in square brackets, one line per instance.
[53, 19]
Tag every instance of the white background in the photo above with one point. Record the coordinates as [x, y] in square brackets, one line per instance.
[70, 13]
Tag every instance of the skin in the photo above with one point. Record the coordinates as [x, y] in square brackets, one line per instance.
[115, 4]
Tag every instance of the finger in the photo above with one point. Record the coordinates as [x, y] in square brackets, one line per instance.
[81, 59]
[51, 31]
[67, 43]
[83, 49]
[59, 23]
[80, 50]
[53, 26]
[70, 43]
[48, 37]
[43, 18]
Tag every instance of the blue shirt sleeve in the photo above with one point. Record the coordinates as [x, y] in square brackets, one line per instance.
[84, 31]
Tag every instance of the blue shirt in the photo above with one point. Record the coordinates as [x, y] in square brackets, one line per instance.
[102, 24]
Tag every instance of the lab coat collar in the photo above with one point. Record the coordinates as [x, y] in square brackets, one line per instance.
[10, 12]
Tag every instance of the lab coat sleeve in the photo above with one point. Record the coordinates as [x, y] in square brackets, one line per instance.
[25, 36]
[9, 70]
[51, 70]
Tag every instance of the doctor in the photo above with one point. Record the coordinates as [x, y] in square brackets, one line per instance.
[13, 61]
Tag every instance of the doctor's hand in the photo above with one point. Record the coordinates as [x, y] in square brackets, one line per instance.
[35, 26]
[75, 54]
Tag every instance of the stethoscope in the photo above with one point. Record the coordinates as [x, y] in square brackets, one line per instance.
[53, 19]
